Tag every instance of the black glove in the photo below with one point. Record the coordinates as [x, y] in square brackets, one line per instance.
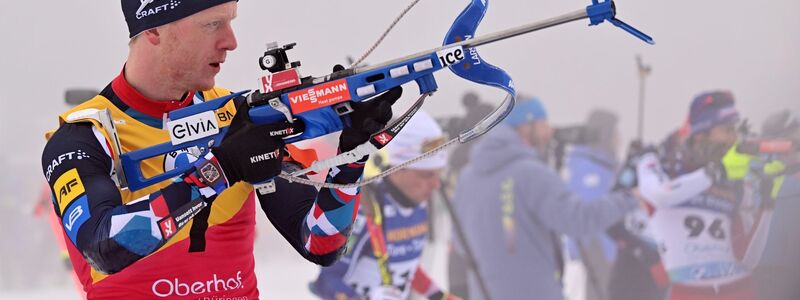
[368, 118]
[250, 152]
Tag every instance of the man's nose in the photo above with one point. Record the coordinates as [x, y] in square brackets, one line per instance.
[228, 41]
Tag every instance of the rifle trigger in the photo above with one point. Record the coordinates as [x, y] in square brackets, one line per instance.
[343, 108]
[276, 104]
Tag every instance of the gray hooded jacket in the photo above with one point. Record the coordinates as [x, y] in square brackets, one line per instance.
[512, 207]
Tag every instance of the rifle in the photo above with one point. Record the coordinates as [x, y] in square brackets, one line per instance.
[310, 107]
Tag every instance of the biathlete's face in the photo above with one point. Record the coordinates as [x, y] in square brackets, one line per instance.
[723, 135]
[195, 47]
[537, 134]
[542, 133]
[417, 185]
[715, 143]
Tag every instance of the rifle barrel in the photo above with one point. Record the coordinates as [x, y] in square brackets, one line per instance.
[488, 39]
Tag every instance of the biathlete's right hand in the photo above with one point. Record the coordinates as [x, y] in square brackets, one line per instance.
[250, 152]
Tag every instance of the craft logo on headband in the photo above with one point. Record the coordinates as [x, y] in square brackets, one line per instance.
[141, 15]
[145, 9]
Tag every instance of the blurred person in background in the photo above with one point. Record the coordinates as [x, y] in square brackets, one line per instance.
[778, 273]
[591, 166]
[191, 236]
[476, 110]
[638, 273]
[515, 207]
[389, 234]
[709, 224]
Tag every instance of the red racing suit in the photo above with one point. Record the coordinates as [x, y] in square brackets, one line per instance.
[189, 237]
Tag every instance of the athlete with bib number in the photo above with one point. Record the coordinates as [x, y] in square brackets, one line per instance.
[383, 258]
[709, 217]
[190, 237]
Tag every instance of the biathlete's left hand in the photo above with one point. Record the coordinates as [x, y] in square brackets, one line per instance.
[368, 117]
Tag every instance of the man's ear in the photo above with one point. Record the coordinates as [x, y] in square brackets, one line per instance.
[153, 36]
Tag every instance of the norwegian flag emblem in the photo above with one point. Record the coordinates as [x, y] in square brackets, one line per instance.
[383, 138]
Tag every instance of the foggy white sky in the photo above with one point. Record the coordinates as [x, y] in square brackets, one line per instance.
[749, 47]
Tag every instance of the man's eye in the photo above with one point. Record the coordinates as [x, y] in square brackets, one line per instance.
[214, 24]
[427, 175]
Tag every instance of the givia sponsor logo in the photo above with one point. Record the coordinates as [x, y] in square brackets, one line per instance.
[193, 127]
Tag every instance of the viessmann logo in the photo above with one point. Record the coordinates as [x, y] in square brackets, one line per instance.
[319, 96]
[164, 288]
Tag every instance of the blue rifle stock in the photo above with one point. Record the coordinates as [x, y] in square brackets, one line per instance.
[318, 122]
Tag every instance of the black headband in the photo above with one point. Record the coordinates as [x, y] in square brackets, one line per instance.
[142, 15]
